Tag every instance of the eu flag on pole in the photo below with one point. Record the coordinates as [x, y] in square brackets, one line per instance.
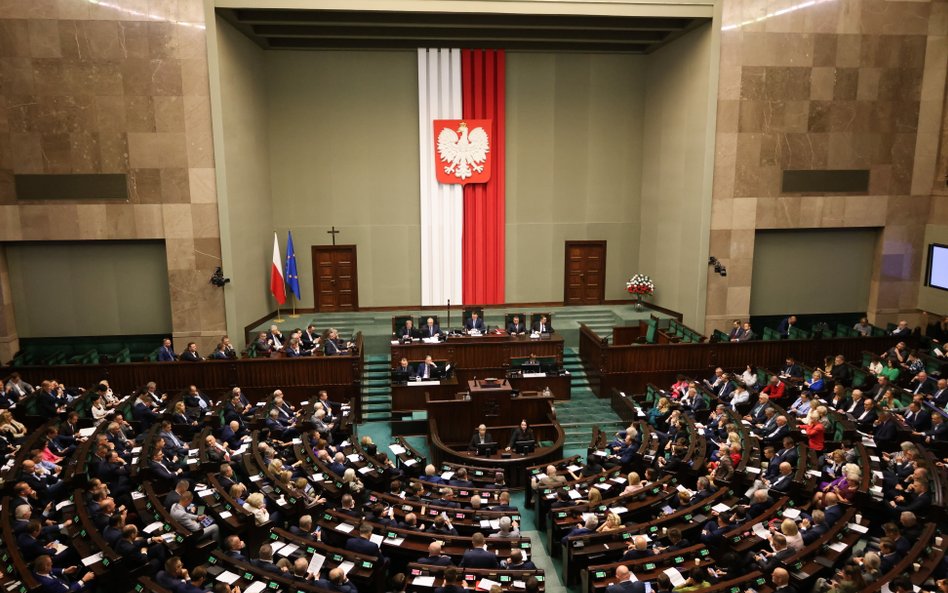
[292, 276]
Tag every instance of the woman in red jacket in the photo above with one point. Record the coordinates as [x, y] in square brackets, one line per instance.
[815, 431]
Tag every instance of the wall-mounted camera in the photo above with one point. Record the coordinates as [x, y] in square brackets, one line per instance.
[217, 278]
[718, 266]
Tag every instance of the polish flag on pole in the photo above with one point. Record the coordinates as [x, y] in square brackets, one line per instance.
[277, 283]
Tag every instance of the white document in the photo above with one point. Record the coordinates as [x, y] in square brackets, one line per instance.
[365, 470]
[228, 577]
[532, 376]
[396, 449]
[838, 547]
[761, 531]
[276, 546]
[345, 567]
[675, 577]
[203, 493]
[791, 513]
[344, 527]
[86, 432]
[752, 470]
[256, 587]
[152, 527]
[410, 462]
[65, 503]
[423, 581]
[486, 584]
[858, 528]
[288, 549]
[618, 510]
[721, 508]
[353, 457]
[574, 468]
[574, 495]
[90, 560]
[447, 475]
[377, 539]
[814, 472]
[316, 563]
[225, 514]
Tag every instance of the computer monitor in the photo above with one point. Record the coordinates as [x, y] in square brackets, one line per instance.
[486, 449]
[525, 447]
[399, 376]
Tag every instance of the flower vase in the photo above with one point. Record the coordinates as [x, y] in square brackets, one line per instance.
[637, 303]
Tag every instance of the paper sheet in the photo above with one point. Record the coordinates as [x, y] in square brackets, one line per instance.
[376, 539]
[790, 513]
[255, 587]
[316, 563]
[346, 566]
[423, 581]
[90, 560]
[761, 531]
[396, 449]
[721, 508]
[228, 577]
[486, 584]
[344, 527]
[675, 577]
[152, 527]
[288, 549]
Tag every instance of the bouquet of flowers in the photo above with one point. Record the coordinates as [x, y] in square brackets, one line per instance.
[640, 285]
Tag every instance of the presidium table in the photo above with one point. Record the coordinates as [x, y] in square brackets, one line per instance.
[478, 357]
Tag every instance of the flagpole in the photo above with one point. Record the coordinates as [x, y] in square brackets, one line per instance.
[279, 319]
[293, 315]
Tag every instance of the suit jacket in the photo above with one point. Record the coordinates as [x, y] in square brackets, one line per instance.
[31, 548]
[774, 561]
[832, 514]
[436, 560]
[813, 533]
[430, 332]
[478, 558]
[626, 587]
[476, 439]
[47, 404]
[53, 583]
[166, 355]
[547, 328]
[363, 546]
[793, 370]
[477, 324]
[161, 470]
[420, 370]
[187, 520]
[190, 356]
[782, 483]
[516, 329]
[919, 421]
[332, 347]
[404, 332]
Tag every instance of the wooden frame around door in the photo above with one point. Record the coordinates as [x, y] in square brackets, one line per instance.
[602, 285]
[316, 249]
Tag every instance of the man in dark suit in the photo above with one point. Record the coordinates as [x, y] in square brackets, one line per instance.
[938, 433]
[516, 562]
[769, 561]
[362, 543]
[431, 329]
[475, 323]
[52, 580]
[516, 327]
[624, 582]
[867, 418]
[435, 556]
[47, 401]
[166, 352]
[783, 328]
[775, 436]
[478, 556]
[452, 582]
[332, 345]
[426, 370]
[638, 549]
[814, 527]
[191, 354]
[832, 510]
[543, 326]
[791, 370]
[337, 582]
[310, 337]
[939, 396]
[264, 559]
[917, 417]
[781, 580]
[589, 526]
[784, 480]
[481, 437]
[407, 331]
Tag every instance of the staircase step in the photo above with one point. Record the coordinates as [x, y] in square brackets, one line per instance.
[377, 416]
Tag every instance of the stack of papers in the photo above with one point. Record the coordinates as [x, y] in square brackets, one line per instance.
[675, 577]
[255, 587]
[228, 577]
[423, 581]
[396, 449]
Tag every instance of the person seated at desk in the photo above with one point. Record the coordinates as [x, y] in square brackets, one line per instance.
[166, 352]
[431, 329]
[475, 323]
[310, 338]
[332, 343]
[543, 326]
[426, 370]
[531, 364]
[521, 433]
[515, 327]
[402, 372]
[481, 437]
[408, 331]
[191, 354]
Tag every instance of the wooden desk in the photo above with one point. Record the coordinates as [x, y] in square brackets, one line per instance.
[482, 386]
[481, 352]
[411, 395]
[451, 424]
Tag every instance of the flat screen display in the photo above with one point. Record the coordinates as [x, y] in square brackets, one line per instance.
[938, 266]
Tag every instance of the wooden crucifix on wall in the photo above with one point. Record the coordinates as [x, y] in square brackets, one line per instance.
[333, 232]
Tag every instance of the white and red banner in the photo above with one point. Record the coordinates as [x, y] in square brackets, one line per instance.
[463, 232]
[277, 282]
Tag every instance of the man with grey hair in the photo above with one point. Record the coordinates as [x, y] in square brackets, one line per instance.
[507, 528]
[582, 529]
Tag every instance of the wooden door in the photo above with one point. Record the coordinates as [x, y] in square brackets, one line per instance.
[335, 278]
[585, 273]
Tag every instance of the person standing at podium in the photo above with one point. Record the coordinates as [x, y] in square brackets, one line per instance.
[543, 326]
[515, 327]
[481, 437]
[474, 323]
[426, 370]
[521, 433]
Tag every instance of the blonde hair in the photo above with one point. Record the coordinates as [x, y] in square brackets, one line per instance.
[634, 479]
[595, 496]
[788, 527]
[255, 500]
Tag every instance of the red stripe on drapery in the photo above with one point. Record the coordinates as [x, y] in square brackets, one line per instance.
[483, 82]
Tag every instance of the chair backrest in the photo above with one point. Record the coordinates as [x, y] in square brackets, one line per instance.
[535, 318]
[468, 310]
[398, 322]
[771, 334]
[423, 320]
[798, 334]
[651, 332]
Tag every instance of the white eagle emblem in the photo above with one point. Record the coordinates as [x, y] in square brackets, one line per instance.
[464, 153]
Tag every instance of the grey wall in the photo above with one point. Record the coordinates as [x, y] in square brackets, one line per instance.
[676, 201]
[245, 203]
[344, 152]
[91, 288]
[574, 166]
[812, 271]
